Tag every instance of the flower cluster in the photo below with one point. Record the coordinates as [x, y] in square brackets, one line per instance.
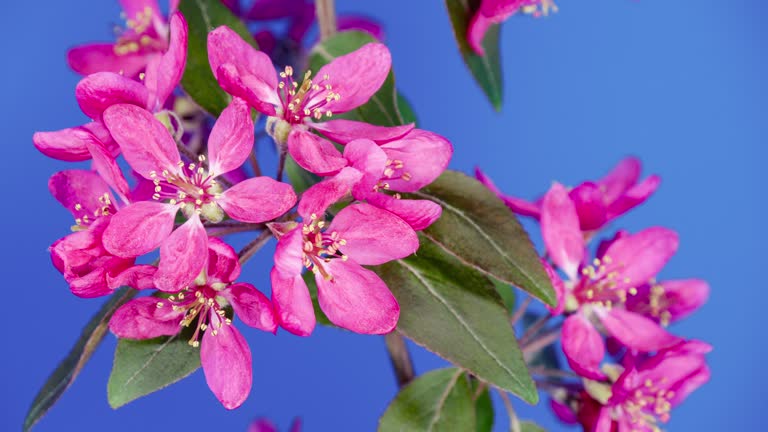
[186, 185]
[613, 301]
[491, 12]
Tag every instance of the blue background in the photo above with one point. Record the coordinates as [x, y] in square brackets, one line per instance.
[679, 84]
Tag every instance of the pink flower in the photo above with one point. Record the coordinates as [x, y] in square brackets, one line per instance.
[97, 92]
[265, 425]
[497, 11]
[352, 296]
[597, 203]
[403, 165]
[345, 83]
[669, 301]
[224, 353]
[646, 392]
[151, 151]
[89, 269]
[145, 37]
[599, 292]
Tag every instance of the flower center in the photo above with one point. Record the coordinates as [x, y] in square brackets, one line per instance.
[83, 221]
[393, 170]
[320, 247]
[193, 188]
[140, 33]
[602, 287]
[649, 403]
[306, 99]
[202, 306]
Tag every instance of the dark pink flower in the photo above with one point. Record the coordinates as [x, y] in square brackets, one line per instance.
[352, 296]
[224, 353]
[98, 91]
[597, 203]
[89, 269]
[669, 301]
[402, 165]
[646, 392]
[151, 151]
[345, 83]
[497, 11]
[144, 38]
[265, 425]
[598, 292]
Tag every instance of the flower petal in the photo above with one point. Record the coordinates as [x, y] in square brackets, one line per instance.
[634, 196]
[478, 26]
[146, 143]
[257, 199]
[368, 158]
[517, 205]
[141, 318]
[373, 236]
[79, 191]
[684, 296]
[357, 299]
[620, 179]
[356, 76]
[637, 258]
[635, 331]
[137, 277]
[101, 57]
[583, 347]
[419, 214]
[231, 138]
[164, 72]
[251, 89]
[225, 46]
[183, 255]
[425, 155]
[561, 231]
[343, 131]
[139, 228]
[360, 23]
[313, 153]
[107, 167]
[289, 255]
[320, 196]
[226, 361]
[252, 306]
[588, 201]
[69, 144]
[558, 286]
[262, 425]
[95, 93]
[223, 263]
[293, 305]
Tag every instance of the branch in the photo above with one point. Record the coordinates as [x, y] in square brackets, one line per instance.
[251, 248]
[326, 18]
[400, 358]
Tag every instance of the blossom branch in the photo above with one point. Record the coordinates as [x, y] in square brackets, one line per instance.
[326, 18]
[520, 311]
[251, 248]
[538, 344]
[400, 358]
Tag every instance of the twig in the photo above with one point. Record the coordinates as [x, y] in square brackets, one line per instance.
[281, 162]
[326, 18]
[538, 344]
[251, 248]
[400, 358]
[514, 422]
[520, 311]
[552, 373]
[254, 163]
[534, 328]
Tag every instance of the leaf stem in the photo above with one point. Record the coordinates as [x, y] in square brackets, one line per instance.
[251, 248]
[514, 422]
[326, 18]
[400, 358]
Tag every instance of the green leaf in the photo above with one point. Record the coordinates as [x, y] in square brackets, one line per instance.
[454, 311]
[479, 230]
[300, 178]
[198, 81]
[485, 69]
[439, 400]
[142, 367]
[529, 426]
[70, 367]
[406, 110]
[384, 106]
[484, 414]
[507, 294]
